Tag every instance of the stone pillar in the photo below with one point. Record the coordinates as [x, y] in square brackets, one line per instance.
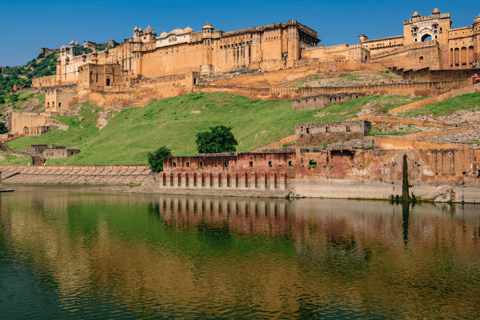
[252, 180]
[272, 181]
[207, 176]
[175, 180]
[182, 180]
[282, 181]
[261, 179]
[242, 180]
[215, 179]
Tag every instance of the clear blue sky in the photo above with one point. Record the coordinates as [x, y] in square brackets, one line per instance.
[26, 26]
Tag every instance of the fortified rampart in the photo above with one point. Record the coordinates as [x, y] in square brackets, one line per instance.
[436, 174]
[314, 133]
[283, 93]
[320, 102]
[17, 121]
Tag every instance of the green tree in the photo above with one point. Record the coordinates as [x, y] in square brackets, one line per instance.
[155, 159]
[2, 100]
[13, 98]
[3, 128]
[218, 139]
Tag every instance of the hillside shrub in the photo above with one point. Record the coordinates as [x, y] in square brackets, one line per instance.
[219, 139]
[155, 159]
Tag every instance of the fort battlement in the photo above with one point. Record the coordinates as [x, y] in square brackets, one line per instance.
[426, 18]
[313, 133]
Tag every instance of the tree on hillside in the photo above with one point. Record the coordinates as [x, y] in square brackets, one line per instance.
[13, 98]
[3, 128]
[218, 139]
[155, 159]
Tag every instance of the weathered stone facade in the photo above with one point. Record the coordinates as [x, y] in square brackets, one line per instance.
[58, 153]
[433, 174]
[35, 131]
[320, 102]
[314, 133]
[449, 48]
[51, 151]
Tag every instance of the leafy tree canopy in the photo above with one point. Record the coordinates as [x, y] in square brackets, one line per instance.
[155, 159]
[218, 139]
[3, 128]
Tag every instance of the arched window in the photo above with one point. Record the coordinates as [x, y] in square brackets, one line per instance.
[312, 164]
[174, 165]
[96, 77]
[420, 59]
[426, 37]
[108, 81]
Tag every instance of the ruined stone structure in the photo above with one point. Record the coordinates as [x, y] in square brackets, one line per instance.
[17, 121]
[320, 102]
[35, 131]
[434, 174]
[51, 151]
[59, 152]
[314, 133]
[263, 171]
[47, 51]
[58, 101]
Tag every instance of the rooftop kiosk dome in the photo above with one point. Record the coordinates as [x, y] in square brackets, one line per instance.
[207, 28]
[477, 19]
[415, 15]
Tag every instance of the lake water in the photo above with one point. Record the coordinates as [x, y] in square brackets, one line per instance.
[66, 253]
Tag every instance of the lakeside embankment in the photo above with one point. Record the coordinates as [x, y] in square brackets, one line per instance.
[140, 179]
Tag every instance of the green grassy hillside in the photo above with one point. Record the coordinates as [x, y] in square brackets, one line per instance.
[132, 133]
[470, 102]
[174, 122]
[11, 160]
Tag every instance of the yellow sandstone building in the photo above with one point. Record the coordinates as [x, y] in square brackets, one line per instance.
[148, 66]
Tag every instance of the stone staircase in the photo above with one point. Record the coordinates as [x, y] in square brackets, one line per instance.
[117, 175]
[37, 160]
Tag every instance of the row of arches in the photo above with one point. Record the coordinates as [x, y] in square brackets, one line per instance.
[461, 56]
[218, 180]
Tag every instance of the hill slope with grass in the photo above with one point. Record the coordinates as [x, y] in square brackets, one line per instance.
[130, 134]
[174, 122]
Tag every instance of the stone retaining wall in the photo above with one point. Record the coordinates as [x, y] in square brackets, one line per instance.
[77, 174]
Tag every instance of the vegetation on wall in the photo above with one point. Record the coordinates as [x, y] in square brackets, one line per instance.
[155, 159]
[33, 69]
[218, 139]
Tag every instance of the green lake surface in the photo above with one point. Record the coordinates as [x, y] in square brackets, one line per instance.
[66, 253]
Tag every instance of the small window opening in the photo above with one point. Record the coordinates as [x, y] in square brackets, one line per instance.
[251, 164]
[312, 164]
[174, 165]
[290, 164]
[201, 164]
[270, 164]
[187, 164]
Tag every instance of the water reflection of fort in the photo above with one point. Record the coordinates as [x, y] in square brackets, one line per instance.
[97, 239]
[320, 220]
